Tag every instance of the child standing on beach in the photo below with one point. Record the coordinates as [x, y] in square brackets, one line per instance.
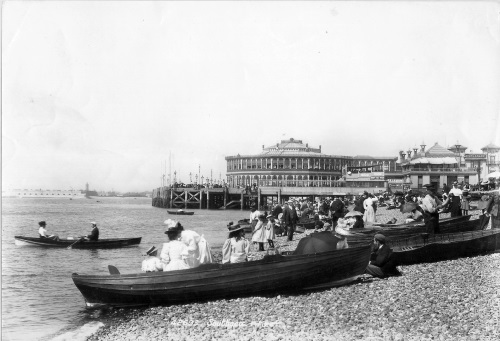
[269, 233]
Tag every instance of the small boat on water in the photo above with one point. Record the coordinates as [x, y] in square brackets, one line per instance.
[76, 243]
[424, 248]
[270, 275]
[180, 212]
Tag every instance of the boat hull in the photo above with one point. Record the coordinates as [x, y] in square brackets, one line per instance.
[180, 213]
[100, 244]
[449, 226]
[271, 275]
[446, 246]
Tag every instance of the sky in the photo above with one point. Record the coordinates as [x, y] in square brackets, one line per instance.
[112, 93]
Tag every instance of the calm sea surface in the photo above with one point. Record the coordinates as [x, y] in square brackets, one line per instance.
[39, 299]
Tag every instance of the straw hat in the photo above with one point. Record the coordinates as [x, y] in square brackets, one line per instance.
[151, 250]
[172, 225]
[233, 228]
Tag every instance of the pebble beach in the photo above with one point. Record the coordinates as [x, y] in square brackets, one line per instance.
[449, 300]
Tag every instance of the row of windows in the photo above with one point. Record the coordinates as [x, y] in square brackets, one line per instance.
[46, 194]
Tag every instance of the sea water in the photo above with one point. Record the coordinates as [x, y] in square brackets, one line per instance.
[39, 299]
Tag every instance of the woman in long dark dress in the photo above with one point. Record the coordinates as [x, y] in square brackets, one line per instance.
[455, 206]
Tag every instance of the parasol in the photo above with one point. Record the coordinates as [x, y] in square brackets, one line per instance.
[408, 207]
[353, 214]
[494, 175]
[317, 242]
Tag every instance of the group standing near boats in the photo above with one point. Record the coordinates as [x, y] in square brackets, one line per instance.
[185, 251]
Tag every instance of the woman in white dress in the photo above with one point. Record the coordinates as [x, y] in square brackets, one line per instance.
[259, 233]
[369, 215]
[236, 247]
[174, 253]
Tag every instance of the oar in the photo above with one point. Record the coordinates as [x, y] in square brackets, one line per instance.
[113, 270]
[79, 240]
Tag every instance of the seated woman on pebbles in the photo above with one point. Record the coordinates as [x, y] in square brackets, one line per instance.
[236, 247]
[175, 252]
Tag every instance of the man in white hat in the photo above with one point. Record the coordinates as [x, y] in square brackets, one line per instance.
[94, 235]
[152, 263]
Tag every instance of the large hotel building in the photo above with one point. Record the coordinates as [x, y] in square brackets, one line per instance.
[292, 163]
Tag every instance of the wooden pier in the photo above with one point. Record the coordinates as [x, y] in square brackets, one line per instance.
[235, 198]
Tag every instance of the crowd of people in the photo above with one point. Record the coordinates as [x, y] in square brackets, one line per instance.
[186, 249]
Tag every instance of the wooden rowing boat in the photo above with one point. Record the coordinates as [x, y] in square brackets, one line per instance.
[424, 248]
[449, 220]
[360, 236]
[271, 275]
[76, 243]
[180, 212]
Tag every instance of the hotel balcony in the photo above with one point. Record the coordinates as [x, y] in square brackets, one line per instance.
[439, 171]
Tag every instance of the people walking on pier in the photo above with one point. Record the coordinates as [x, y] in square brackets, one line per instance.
[152, 263]
[236, 248]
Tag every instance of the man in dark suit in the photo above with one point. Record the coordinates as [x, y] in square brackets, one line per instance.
[277, 210]
[337, 209]
[94, 235]
[290, 218]
[380, 264]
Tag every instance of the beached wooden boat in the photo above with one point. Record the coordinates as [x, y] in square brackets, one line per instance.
[443, 221]
[424, 248]
[180, 212]
[273, 274]
[76, 243]
[360, 236]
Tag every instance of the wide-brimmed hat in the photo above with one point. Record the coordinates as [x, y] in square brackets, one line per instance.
[233, 228]
[339, 230]
[380, 237]
[151, 250]
[172, 225]
[455, 182]
[42, 223]
[93, 223]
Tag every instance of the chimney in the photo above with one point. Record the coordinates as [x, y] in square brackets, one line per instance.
[409, 153]
[320, 148]
[422, 146]
[307, 144]
[262, 147]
